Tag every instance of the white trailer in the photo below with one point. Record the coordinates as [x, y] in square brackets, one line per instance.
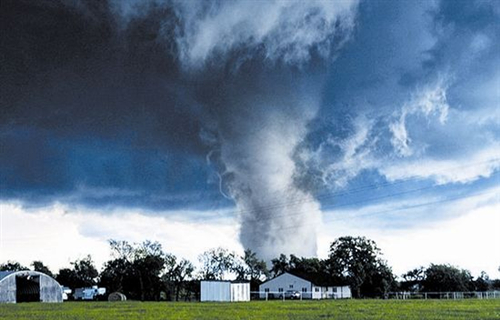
[89, 293]
[224, 291]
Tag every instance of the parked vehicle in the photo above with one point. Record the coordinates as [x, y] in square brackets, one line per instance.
[93, 293]
[292, 294]
[66, 292]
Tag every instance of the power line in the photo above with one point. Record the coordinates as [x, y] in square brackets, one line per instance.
[381, 212]
[311, 198]
[350, 192]
[350, 203]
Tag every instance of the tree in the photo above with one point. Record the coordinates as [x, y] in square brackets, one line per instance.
[83, 274]
[482, 283]
[357, 260]
[176, 276]
[86, 271]
[118, 275]
[381, 280]
[149, 262]
[280, 265]
[40, 267]
[135, 270]
[67, 277]
[12, 266]
[443, 278]
[495, 284]
[413, 279]
[251, 268]
[217, 263]
[416, 274]
[313, 269]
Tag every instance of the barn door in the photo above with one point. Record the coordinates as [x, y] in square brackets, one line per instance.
[27, 288]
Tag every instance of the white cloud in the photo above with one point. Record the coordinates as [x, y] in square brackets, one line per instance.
[470, 239]
[356, 154]
[481, 164]
[400, 139]
[482, 99]
[480, 42]
[58, 235]
[280, 30]
[429, 101]
[340, 160]
[285, 30]
[465, 146]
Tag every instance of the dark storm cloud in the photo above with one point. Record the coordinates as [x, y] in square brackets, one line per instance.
[87, 104]
[128, 100]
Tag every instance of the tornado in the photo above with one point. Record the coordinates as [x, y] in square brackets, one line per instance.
[257, 69]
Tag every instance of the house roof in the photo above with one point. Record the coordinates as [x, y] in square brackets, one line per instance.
[309, 278]
[230, 281]
[289, 274]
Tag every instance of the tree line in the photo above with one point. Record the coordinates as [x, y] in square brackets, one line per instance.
[145, 272]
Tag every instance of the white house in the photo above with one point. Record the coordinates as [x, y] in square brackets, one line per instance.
[224, 291]
[278, 286]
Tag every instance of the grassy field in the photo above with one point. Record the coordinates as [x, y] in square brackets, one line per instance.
[336, 309]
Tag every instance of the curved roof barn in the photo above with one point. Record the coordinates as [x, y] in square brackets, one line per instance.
[28, 286]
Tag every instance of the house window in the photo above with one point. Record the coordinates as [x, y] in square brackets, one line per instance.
[266, 290]
[280, 290]
[291, 286]
[304, 289]
[316, 289]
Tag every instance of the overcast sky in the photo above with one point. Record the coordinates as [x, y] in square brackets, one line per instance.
[271, 125]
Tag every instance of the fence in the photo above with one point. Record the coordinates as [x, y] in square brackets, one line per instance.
[279, 295]
[275, 295]
[444, 295]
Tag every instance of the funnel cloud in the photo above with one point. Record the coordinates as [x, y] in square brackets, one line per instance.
[255, 64]
[260, 110]
[256, 133]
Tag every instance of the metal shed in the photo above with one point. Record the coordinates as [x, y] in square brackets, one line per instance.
[224, 291]
[29, 286]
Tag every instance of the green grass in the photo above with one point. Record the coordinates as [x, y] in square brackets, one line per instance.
[332, 309]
